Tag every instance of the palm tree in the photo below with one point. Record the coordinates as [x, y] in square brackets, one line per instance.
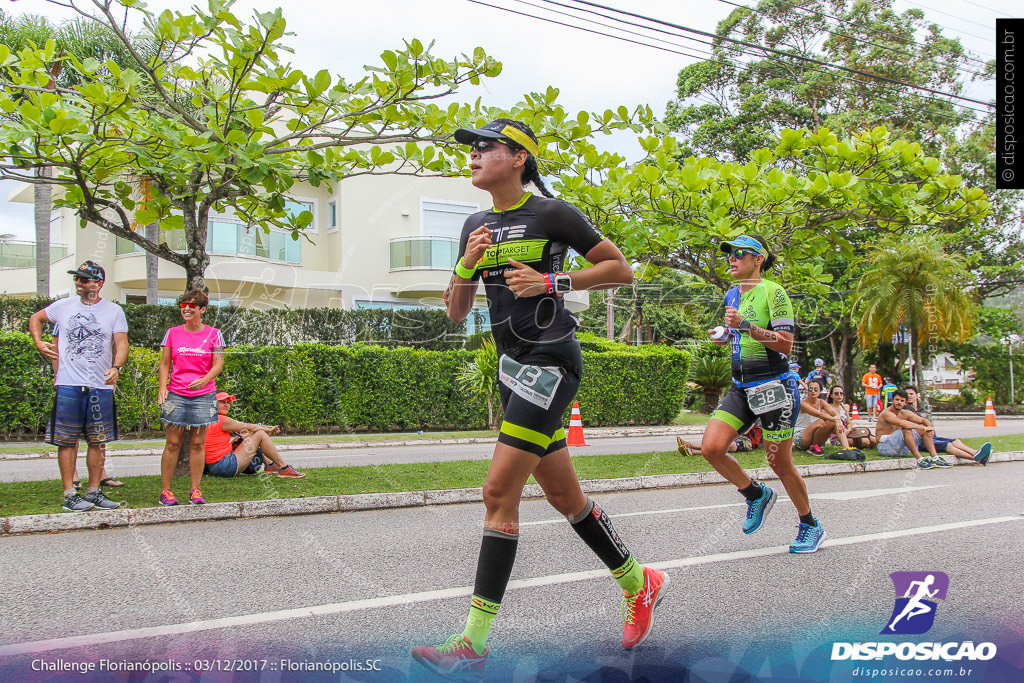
[911, 281]
[711, 370]
[480, 377]
[81, 38]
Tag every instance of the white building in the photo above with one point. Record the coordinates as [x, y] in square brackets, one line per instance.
[944, 373]
[377, 241]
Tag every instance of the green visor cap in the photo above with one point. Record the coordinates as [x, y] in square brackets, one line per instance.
[743, 242]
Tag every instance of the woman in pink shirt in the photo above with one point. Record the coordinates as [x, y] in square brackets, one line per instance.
[191, 358]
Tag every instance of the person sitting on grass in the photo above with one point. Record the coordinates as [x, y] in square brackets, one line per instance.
[747, 441]
[859, 437]
[247, 453]
[954, 447]
[901, 431]
[817, 421]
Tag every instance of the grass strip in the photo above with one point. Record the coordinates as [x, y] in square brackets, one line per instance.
[42, 497]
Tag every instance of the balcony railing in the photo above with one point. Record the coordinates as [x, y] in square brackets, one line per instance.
[230, 239]
[428, 253]
[22, 254]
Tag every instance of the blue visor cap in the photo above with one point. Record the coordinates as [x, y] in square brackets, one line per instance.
[743, 242]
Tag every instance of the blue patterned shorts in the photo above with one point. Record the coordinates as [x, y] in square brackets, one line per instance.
[82, 411]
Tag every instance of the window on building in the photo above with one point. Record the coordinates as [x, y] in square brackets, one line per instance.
[294, 208]
[444, 219]
[332, 215]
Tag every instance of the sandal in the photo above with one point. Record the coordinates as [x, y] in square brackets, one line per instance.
[77, 484]
[111, 482]
[683, 447]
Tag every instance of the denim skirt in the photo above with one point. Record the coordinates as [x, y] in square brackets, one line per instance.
[189, 411]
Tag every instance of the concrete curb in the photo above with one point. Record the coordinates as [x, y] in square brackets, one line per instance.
[595, 433]
[24, 524]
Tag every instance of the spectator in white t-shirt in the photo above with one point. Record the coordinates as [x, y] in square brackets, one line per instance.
[92, 348]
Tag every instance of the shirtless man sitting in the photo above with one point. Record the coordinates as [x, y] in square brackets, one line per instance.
[901, 431]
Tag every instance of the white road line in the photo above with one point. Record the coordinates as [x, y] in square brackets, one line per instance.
[94, 639]
[837, 495]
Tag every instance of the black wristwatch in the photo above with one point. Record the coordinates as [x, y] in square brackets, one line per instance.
[744, 326]
[118, 368]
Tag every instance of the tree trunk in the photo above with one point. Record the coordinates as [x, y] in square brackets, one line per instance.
[152, 266]
[842, 353]
[43, 196]
[181, 469]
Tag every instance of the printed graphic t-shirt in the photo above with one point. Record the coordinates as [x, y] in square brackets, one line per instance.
[86, 340]
[191, 357]
[873, 381]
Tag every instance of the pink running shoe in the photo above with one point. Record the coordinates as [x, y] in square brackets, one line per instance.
[638, 608]
[455, 658]
[195, 497]
[167, 498]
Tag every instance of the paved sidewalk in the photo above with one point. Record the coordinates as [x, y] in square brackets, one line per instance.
[373, 501]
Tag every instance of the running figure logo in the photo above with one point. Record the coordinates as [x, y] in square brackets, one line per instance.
[916, 593]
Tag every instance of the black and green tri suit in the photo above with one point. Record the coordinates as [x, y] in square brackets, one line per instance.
[766, 305]
[538, 333]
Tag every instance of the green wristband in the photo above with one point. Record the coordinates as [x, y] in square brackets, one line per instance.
[464, 272]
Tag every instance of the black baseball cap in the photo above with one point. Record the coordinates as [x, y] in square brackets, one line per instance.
[90, 269]
[509, 132]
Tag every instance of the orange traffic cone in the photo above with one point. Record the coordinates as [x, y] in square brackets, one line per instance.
[575, 437]
[990, 413]
[854, 414]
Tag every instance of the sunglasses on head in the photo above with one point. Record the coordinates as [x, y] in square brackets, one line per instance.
[188, 304]
[83, 279]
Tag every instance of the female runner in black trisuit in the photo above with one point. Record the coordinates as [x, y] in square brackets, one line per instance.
[517, 249]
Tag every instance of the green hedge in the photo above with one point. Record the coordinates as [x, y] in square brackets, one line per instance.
[422, 328]
[315, 387]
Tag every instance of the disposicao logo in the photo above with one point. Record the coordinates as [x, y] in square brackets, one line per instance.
[916, 593]
[912, 614]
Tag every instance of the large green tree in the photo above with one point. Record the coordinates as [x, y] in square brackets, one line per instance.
[84, 39]
[217, 119]
[768, 73]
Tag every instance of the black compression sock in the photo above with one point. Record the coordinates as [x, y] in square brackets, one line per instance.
[808, 519]
[493, 569]
[752, 492]
[596, 530]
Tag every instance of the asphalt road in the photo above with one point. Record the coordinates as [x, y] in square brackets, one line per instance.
[126, 466]
[370, 585]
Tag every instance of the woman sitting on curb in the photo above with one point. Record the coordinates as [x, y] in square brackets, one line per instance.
[228, 458]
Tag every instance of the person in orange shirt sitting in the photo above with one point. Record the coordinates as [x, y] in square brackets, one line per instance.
[872, 383]
[245, 455]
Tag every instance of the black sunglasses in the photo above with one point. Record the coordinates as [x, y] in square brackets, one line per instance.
[83, 279]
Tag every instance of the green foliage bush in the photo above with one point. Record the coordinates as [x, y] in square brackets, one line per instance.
[422, 328]
[315, 387]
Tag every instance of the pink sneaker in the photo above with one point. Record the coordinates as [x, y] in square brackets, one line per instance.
[195, 496]
[638, 608]
[455, 658]
[167, 498]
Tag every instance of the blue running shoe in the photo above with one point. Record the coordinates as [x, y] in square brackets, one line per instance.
[926, 463]
[808, 538]
[758, 509]
[984, 453]
[940, 462]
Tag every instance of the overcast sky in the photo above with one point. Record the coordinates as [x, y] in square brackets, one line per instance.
[591, 71]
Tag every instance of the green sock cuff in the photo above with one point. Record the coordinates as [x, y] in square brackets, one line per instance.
[479, 622]
[630, 575]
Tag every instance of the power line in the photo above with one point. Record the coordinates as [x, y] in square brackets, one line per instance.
[785, 54]
[938, 11]
[861, 40]
[757, 56]
[880, 32]
[988, 9]
[700, 58]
